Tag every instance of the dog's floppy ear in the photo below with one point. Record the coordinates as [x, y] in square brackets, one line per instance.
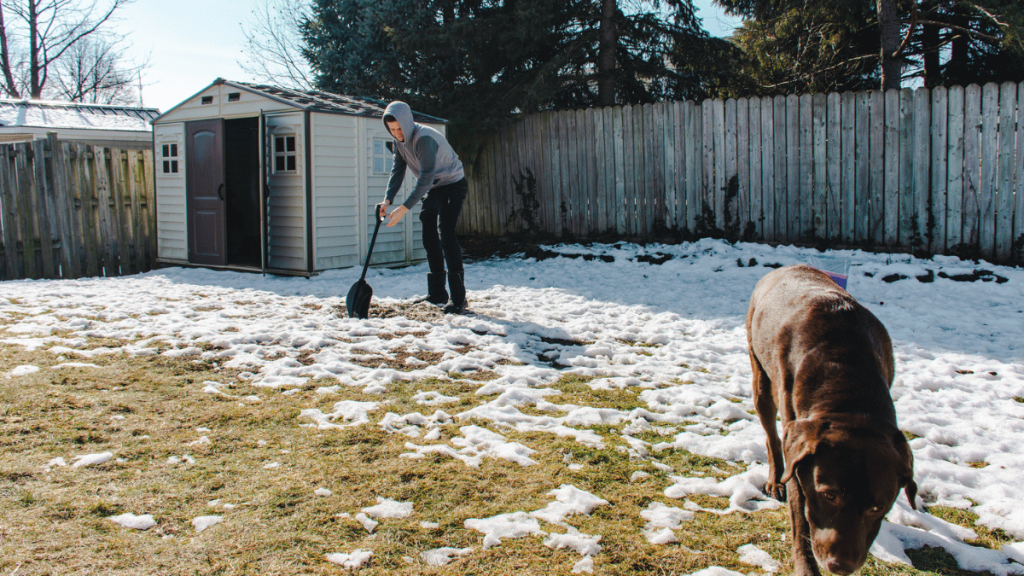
[799, 440]
[906, 463]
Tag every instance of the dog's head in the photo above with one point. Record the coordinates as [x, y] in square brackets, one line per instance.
[849, 472]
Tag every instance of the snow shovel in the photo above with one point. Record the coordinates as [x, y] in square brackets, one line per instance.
[358, 299]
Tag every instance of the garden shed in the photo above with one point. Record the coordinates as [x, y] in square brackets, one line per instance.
[255, 177]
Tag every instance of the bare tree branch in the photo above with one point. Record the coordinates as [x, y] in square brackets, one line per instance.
[274, 44]
[910, 30]
[92, 71]
[5, 59]
[968, 31]
[50, 28]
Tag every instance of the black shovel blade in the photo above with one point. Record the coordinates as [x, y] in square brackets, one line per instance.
[358, 300]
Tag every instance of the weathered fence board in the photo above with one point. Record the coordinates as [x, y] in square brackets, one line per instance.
[862, 184]
[891, 178]
[955, 168]
[754, 149]
[781, 156]
[8, 219]
[742, 202]
[970, 207]
[929, 170]
[989, 165]
[1007, 149]
[806, 163]
[819, 183]
[903, 194]
[70, 210]
[1018, 208]
[921, 147]
[728, 194]
[768, 197]
[939, 172]
[694, 173]
[834, 163]
[874, 206]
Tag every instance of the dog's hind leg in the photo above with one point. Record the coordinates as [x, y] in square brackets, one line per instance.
[764, 402]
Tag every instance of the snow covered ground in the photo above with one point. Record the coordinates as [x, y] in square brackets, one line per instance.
[666, 321]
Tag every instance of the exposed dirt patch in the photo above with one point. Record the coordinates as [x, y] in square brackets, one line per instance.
[421, 311]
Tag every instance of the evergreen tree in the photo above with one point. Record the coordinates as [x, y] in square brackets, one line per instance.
[956, 42]
[478, 61]
[795, 46]
[802, 47]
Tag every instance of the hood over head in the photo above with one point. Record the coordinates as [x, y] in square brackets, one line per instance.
[402, 113]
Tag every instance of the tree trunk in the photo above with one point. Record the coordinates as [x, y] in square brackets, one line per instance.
[959, 53]
[5, 60]
[34, 86]
[889, 28]
[606, 54]
[930, 47]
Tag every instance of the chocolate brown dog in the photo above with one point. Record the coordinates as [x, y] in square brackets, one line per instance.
[825, 362]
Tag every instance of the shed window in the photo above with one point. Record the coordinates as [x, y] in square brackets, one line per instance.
[169, 155]
[284, 154]
[383, 160]
[206, 100]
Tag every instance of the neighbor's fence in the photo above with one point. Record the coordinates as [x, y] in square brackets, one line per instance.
[69, 210]
[934, 171]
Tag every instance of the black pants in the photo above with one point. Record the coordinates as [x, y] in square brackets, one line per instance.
[440, 214]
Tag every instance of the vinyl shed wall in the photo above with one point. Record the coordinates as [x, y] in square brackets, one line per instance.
[286, 198]
[336, 188]
[171, 217]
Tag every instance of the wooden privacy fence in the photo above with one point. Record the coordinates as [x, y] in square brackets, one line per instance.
[933, 171]
[70, 210]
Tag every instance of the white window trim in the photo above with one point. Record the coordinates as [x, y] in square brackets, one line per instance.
[286, 153]
[386, 155]
[179, 157]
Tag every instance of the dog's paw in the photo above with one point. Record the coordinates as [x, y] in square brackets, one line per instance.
[776, 490]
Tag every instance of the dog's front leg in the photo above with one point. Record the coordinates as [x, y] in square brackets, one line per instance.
[764, 403]
[804, 563]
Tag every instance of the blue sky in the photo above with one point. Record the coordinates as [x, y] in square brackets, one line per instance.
[190, 43]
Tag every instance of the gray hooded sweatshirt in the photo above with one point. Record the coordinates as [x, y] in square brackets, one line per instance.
[425, 151]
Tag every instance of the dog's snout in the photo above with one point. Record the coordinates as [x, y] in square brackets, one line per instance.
[840, 566]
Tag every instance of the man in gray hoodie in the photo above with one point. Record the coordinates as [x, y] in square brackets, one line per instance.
[441, 184]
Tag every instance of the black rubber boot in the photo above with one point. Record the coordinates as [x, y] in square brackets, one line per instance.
[436, 294]
[458, 289]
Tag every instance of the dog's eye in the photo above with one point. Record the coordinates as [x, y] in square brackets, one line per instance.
[875, 510]
[830, 497]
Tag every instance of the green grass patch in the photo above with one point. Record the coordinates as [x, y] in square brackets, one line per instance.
[263, 463]
[992, 538]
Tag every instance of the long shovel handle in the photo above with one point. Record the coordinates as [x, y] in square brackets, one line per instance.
[369, 251]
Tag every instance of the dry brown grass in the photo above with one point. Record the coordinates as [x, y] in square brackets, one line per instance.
[146, 410]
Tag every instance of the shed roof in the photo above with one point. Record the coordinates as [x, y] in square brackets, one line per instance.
[73, 115]
[319, 101]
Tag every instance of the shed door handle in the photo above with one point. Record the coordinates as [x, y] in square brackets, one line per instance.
[219, 195]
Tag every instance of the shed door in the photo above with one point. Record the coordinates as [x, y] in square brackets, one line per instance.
[207, 236]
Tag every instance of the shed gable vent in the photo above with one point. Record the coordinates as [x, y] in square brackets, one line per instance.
[234, 96]
[207, 100]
